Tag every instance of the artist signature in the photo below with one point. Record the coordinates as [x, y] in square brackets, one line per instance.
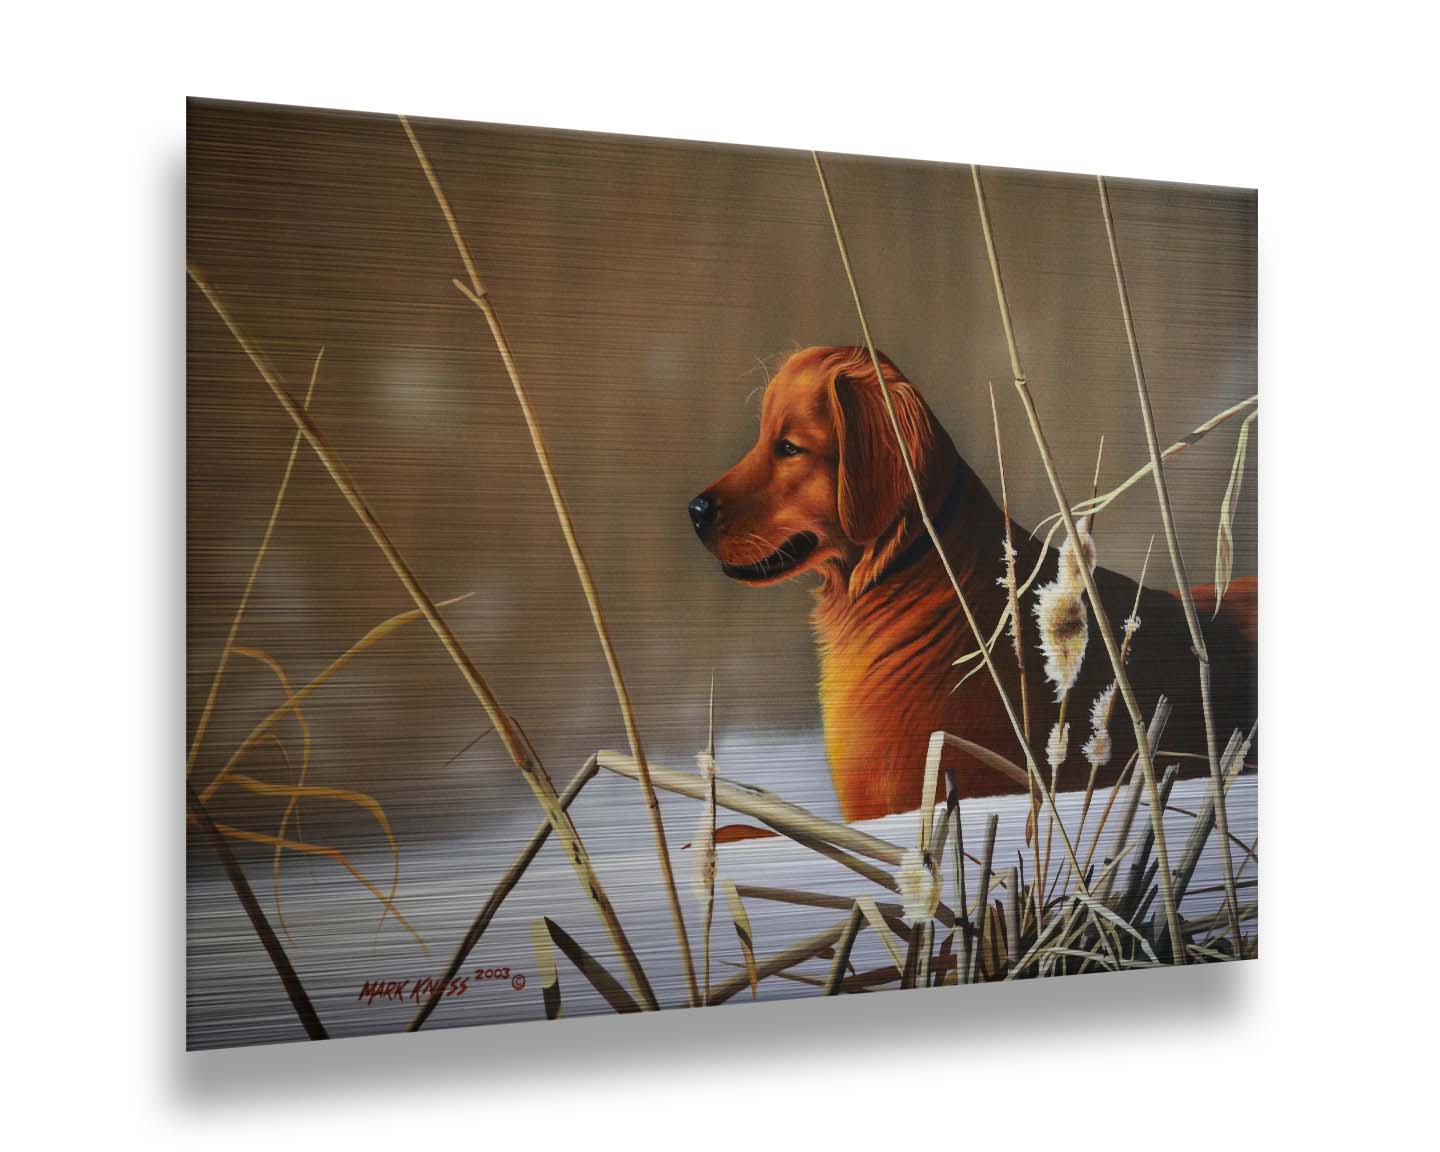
[422, 989]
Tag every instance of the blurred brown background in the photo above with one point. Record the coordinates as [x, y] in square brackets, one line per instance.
[647, 288]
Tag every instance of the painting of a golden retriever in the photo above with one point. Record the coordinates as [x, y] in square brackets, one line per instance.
[586, 613]
[824, 491]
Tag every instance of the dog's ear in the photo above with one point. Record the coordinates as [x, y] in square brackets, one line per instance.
[873, 486]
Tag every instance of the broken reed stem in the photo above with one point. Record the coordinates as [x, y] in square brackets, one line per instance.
[795, 954]
[982, 900]
[1132, 704]
[1177, 563]
[786, 818]
[909, 463]
[842, 951]
[524, 757]
[891, 914]
[264, 547]
[304, 1009]
[476, 293]
[1012, 917]
[497, 895]
[1194, 436]
[962, 908]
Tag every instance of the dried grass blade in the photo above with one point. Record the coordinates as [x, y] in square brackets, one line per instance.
[499, 893]
[366, 642]
[601, 980]
[320, 792]
[292, 808]
[746, 936]
[523, 755]
[260, 552]
[328, 853]
[545, 967]
[1225, 535]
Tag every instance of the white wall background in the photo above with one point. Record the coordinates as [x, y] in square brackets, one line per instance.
[1330, 111]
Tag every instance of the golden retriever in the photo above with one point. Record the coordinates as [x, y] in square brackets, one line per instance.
[824, 490]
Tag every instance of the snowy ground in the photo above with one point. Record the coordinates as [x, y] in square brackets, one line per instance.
[234, 996]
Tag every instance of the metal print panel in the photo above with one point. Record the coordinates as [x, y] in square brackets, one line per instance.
[628, 574]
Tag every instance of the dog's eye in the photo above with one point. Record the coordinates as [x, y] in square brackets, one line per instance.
[788, 448]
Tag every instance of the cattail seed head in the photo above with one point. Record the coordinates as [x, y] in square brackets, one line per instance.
[1098, 749]
[1057, 746]
[1060, 612]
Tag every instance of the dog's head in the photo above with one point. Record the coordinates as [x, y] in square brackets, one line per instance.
[824, 488]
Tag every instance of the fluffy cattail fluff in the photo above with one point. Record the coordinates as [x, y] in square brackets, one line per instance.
[1098, 748]
[705, 836]
[1132, 625]
[1057, 746]
[919, 886]
[1064, 622]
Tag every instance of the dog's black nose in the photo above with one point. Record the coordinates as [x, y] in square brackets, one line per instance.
[702, 512]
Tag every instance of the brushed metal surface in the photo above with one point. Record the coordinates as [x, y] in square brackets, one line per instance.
[648, 287]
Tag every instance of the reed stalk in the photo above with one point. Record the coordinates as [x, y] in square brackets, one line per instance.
[304, 1009]
[963, 924]
[1011, 586]
[1190, 439]
[1121, 835]
[1089, 507]
[600, 979]
[1132, 703]
[786, 818]
[1012, 590]
[1095, 767]
[523, 756]
[709, 865]
[904, 450]
[987, 859]
[842, 951]
[204, 721]
[1012, 917]
[497, 896]
[477, 294]
[796, 954]
[1177, 563]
